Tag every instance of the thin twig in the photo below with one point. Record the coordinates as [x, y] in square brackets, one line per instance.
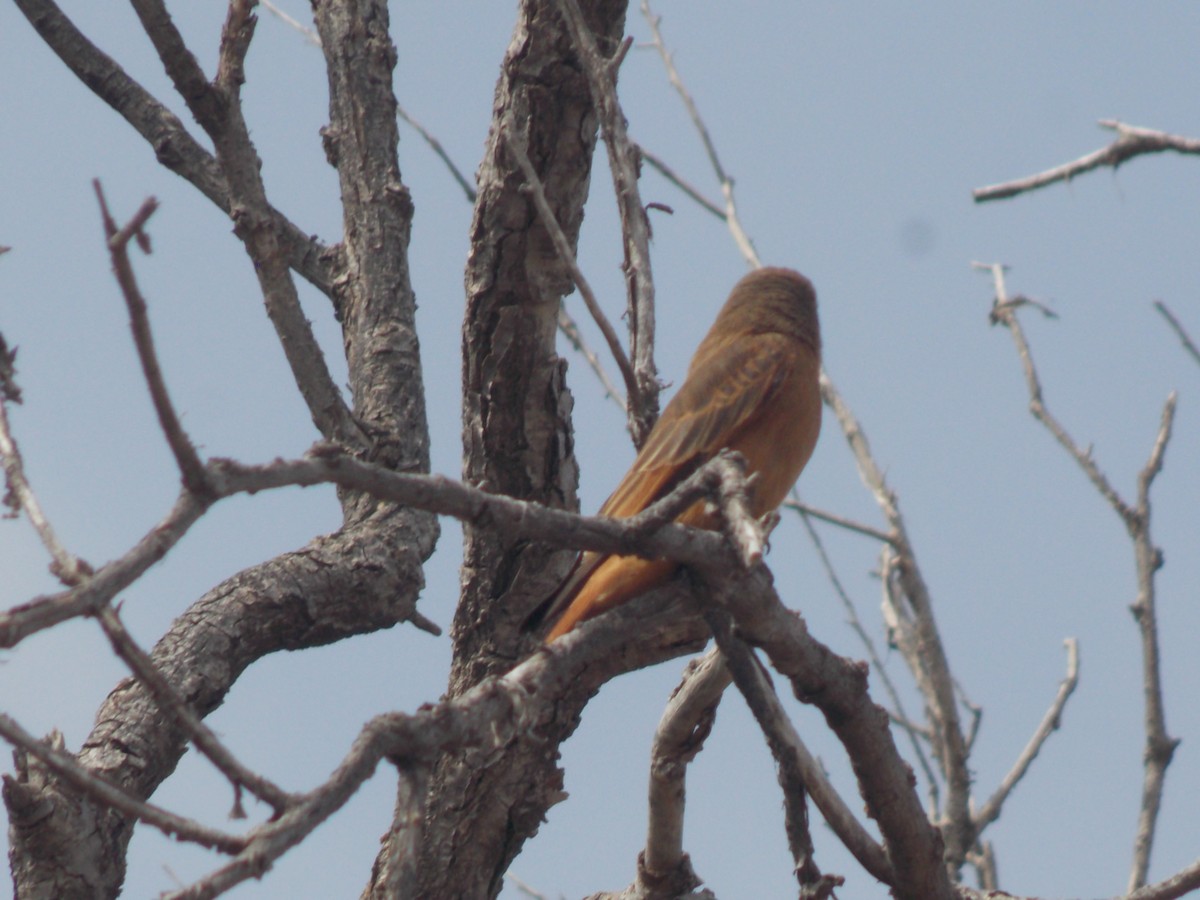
[1179, 330]
[805, 511]
[41, 613]
[64, 766]
[563, 247]
[201, 735]
[900, 717]
[177, 150]
[1160, 746]
[798, 770]
[436, 146]
[217, 107]
[990, 811]
[570, 330]
[745, 245]
[118, 239]
[974, 710]
[925, 654]
[1131, 141]
[1004, 312]
[310, 34]
[524, 888]
[623, 162]
[682, 183]
[66, 566]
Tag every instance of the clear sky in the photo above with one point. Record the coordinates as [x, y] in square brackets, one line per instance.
[855, 134]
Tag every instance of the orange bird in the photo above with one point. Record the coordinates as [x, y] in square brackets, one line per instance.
[751, 387]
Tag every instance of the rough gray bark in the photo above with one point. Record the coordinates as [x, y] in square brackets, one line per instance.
[365, 577]
[516, 441]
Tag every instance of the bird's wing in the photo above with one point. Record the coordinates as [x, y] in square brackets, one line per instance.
[720, 395]
[718, 398]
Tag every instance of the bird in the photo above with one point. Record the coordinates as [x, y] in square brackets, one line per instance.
[753, 386]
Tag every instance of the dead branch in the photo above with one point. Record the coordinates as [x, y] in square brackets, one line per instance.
[926, 657]
[1131, 141]
[53, 757]
[1160, 746]
[685, 725]
[173, 145]
[837, 686]
[601, 71]
[109, 580]
[651, 532]
[436, 146]
[563, 247]
[139, 322]
[806, 511]
[899, 716]
[66, 566]
[170, 701]
[742, 529]
[745, 245]
[990, 811]
[1188, 344]
[657, 162]
[569, 330]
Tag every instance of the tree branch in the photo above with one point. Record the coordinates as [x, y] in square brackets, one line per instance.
[139, 320]
[730, 215]
[66, 566]
[657, 162]
[22, 791]
[920, 642]
[838, 687]
[623, 161]
[990, 811]
[685, 725]
[900, 717]
[173, 145]
[1179, 330]
[569, 330]
[373, 285]
[1160, 747]
[1131, 141]
[170, 701]
[563, 247]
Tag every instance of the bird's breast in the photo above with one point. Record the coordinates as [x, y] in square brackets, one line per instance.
[779, 439]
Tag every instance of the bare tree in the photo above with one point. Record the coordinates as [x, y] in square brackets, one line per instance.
[477, 769]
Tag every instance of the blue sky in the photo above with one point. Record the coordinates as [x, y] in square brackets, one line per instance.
[855, 134]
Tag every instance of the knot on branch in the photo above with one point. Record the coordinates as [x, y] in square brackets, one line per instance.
[679, 881]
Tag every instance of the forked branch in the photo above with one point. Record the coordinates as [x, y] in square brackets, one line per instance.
[1160, 746]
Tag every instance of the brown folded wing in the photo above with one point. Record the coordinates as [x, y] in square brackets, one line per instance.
[723, 393]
